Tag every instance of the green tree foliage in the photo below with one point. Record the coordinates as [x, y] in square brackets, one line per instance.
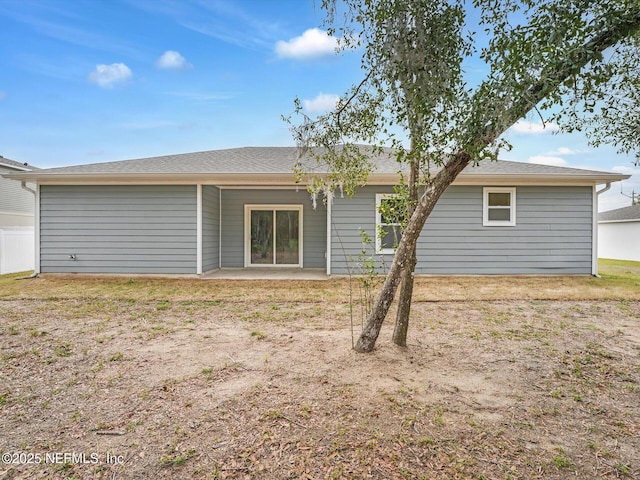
[444, 79]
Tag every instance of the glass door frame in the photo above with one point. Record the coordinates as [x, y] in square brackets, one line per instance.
[248, 208]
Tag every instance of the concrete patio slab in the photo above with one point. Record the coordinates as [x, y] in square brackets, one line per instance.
[267, 273]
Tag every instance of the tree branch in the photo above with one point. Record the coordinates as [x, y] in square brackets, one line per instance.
[356, 91]
[550, 80]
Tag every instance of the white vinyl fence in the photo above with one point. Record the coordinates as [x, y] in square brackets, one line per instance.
[619, 240]
[16, 249]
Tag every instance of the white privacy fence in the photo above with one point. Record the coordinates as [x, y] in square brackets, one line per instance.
[16, 249]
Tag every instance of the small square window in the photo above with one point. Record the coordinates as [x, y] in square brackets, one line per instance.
[499, 207]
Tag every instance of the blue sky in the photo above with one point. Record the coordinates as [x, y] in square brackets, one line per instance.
[85, 81]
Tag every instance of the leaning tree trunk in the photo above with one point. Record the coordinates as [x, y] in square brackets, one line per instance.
[548, 82]
[407, 245]
[404, 301]
[406, 282]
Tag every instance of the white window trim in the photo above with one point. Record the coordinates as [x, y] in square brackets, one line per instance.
[379, 249]
[485, 207]
[247, 235]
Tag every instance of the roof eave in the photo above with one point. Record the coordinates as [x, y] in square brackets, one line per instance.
[15, 167]
[266, 179]
[153, 178]
[516, 179]
[628, 220]
[538, 179]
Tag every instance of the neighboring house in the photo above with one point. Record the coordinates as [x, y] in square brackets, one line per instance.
[16, 220]
[16, 203]
[241, 208]
[619, 234]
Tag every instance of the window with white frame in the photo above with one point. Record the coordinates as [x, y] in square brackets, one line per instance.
[389, 216]
[499, 207]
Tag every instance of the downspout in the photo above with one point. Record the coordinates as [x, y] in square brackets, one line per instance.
[36, 230]
[594, 262]
[328, 249]
[24, 186]
[604, 189]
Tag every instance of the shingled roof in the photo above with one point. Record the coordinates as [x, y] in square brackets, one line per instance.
[16, 165]
[625, 214]
[261, 162]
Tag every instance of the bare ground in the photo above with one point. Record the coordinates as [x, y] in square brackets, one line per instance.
[258, 386]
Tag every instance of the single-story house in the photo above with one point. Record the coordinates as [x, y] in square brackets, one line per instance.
[241, 208]
[619, 234]
[16, 219]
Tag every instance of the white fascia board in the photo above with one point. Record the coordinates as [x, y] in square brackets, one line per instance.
[537, 180]
[266, 179]
[620, 221]
[586, 180]
[287, 179]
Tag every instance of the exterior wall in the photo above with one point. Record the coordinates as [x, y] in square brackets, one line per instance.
[619, 240]
[552, 235]
[314, 224]
[16, 204]
[118, 229]
[210, 228]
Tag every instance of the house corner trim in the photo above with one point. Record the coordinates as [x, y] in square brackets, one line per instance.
[199, 229]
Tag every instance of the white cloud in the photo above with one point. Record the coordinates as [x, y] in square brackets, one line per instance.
[548, 160]
[312, 43]
[632, 183]
[627, 170]
[323, 102]
[564, 151]
[107, 76]
[172, 60]
[531, 128]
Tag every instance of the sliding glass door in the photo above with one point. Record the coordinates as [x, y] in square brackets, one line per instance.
[273, 235]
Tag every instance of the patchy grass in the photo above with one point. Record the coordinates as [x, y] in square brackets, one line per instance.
[619, 280]
[504, 378]
[622, 271]
[165, 290]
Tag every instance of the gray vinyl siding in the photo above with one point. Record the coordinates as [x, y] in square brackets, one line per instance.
[552, 235]
[210, 228]
[13, 198]
[314, 228]
[118, 229]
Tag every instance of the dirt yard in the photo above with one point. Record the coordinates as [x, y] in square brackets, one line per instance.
[140, 379]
